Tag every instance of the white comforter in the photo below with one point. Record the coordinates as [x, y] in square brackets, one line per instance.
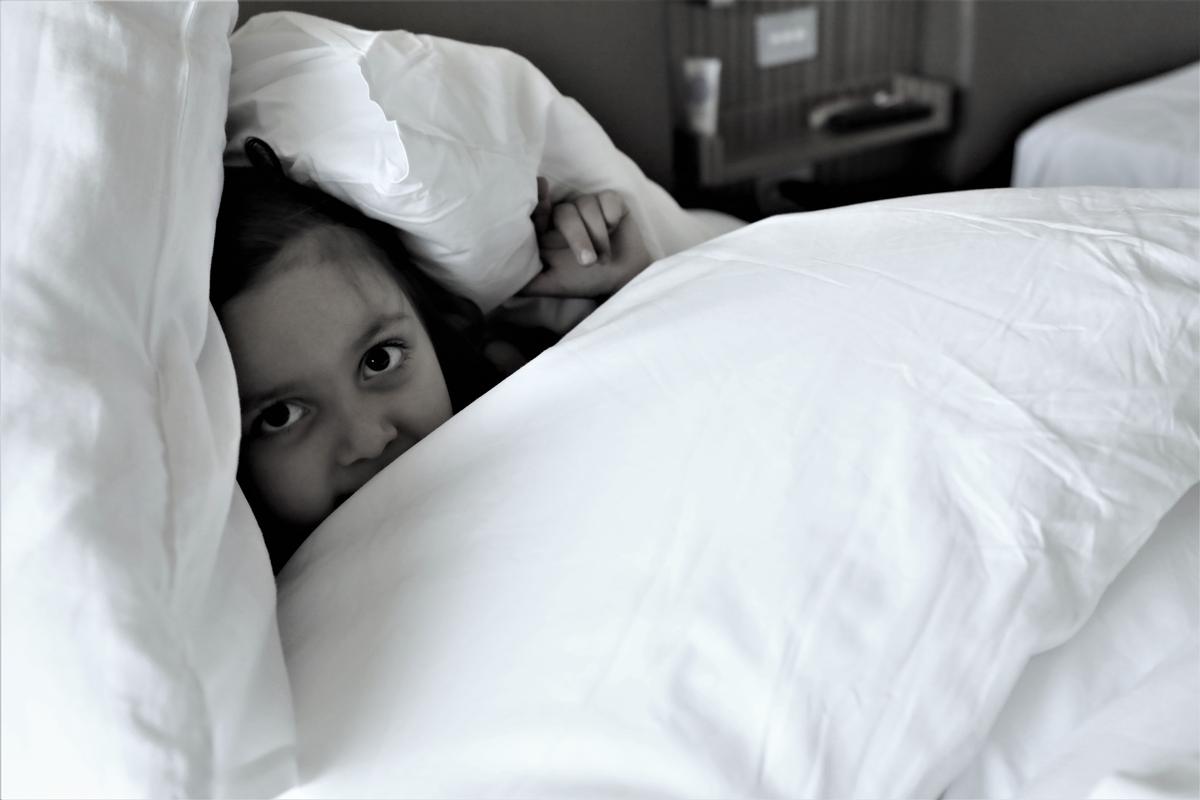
[786, 517]
[1146, 134]
[1114, 712]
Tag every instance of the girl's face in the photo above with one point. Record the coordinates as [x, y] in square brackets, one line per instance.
[337, 378]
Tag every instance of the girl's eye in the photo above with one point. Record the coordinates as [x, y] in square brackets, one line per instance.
[279, 417]
[382, 358]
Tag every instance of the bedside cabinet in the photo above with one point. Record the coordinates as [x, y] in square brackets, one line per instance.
[839, 150]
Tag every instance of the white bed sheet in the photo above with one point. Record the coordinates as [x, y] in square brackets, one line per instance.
[1146, 134]
[786, 517]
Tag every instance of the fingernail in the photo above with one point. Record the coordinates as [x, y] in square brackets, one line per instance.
[587, 257]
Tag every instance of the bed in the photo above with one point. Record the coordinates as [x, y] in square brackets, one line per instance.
[1144, 134]
[893, 500]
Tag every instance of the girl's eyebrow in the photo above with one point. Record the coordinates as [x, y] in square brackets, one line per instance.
[376, 328]
[257, 399]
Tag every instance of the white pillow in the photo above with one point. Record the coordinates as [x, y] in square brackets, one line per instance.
[785, 517]
[444, 140]
[141, 655]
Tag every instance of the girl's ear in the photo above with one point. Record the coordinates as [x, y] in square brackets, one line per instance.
[262, 157]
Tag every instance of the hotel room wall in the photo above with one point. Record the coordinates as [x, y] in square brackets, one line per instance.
[1016, 60]
[608, 55]
[858, 44]
[1010, 60]
[861, 44]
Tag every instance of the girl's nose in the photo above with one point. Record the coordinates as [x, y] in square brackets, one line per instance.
[366, 435]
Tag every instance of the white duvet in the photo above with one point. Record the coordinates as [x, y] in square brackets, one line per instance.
[1146, 134]
[1114, 712]
[786, 517]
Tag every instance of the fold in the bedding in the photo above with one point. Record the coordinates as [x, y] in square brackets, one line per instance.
[784, 518]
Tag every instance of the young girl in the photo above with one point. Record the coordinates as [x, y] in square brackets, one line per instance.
[346, 355]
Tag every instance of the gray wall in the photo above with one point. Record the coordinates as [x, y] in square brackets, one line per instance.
[610, 55]
[1015, 60]
[860, 46]
[1012, 60]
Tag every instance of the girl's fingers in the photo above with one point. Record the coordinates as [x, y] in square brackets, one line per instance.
[552, 240]
[562, 276]
[584, 226]
[593, 219]
[569, 223]
[545, 284]
[612, 207]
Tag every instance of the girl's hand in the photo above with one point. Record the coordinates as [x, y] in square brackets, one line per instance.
[590, 246]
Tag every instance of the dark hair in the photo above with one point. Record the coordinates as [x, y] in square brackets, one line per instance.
[262, 211]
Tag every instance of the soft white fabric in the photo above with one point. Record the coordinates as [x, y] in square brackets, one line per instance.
[786, 517]
[1146, 134]
[1069, 700]
[141, 656]
[443, 139]
[1143, 746]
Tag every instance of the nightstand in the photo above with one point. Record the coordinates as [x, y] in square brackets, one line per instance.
[757, 170]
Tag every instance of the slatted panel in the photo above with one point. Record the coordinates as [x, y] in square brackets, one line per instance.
[860, 45]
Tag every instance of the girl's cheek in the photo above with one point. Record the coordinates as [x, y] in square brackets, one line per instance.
[288, 481]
